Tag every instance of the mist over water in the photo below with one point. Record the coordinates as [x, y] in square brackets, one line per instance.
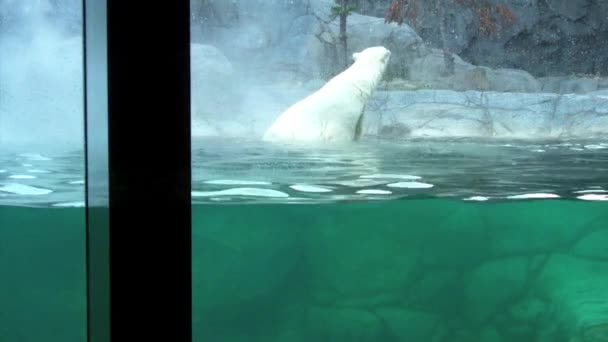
[41, 72]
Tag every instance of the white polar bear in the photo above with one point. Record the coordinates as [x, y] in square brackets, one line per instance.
[334, 112]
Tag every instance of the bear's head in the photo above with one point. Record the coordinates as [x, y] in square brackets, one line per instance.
[376, 54]
[368, 69]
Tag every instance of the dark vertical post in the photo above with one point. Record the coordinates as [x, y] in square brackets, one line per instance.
[145, 172]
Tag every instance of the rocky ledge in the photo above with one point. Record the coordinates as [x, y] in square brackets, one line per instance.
[446, 113]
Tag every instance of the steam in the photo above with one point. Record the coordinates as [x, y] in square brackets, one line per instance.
[41, 72]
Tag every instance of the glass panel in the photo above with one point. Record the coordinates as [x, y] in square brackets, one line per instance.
[42, 218]
[391, 170]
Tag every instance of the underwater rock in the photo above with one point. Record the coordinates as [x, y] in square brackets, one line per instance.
[237, 270]
[407, 325]
[594, 245]
[577, 288]
[332, 324]
[492, 285]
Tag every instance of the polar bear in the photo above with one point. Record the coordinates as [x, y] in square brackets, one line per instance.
[334, 112]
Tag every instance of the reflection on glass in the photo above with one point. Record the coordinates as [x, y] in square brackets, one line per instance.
[42, 235]
[466, 203]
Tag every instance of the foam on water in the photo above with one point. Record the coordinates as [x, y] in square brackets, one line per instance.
[533, 196]
[593, 197]
[309, 188]
[390, 176]
[410, 185]
[22, 177]
[34, 157]
[21, 189]
[235, 182]
[590, 191]
[477, 198]
[374, 192]
[79, 204]
[38, 171]
[241, 192]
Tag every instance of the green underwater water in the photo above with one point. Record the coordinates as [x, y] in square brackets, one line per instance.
[42, 274]
[404, 270]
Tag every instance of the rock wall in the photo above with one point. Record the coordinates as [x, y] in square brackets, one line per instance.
[553, 37]
[446, 113]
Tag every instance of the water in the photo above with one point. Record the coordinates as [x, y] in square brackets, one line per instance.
[457, 251]
[42, 274]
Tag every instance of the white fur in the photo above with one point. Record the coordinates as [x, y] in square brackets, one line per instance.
[333, 112]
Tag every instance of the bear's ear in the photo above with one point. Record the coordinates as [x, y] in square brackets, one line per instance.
[355, 56]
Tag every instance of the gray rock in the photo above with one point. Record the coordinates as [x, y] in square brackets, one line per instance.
[444, 113]
[365, 31]
[215, 86]
[558, 37]
[572, 10]
[429, 70]
[512, 80]
[570, 85]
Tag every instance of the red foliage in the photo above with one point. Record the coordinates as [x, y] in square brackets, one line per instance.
[506, 14]
[487, 25]
[490, 18]
[395, 12]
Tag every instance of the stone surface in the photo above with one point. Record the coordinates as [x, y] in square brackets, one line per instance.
[565, 36]
[548, 232]
[569, 85]
[238, 270]
[578, 288]
[215, 87]
[492, 285]
[406, 325]
[429, 113]
[593, 245]
[330, 324]
[438, 113]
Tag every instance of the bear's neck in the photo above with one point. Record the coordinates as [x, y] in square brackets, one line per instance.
[364, 78]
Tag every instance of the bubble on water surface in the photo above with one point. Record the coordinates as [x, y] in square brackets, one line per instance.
[362, 182]
[235, 182]
[595, 147]
[22, 177]
[241, 192]
[78, 204]
[593, 197]
[38, 171]
[533, 196]
[21, 189]
[410, 185]
[389, 176]
[309, 188]
[34, 156]
[374, 192]
[591, 191]
[477, 198]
